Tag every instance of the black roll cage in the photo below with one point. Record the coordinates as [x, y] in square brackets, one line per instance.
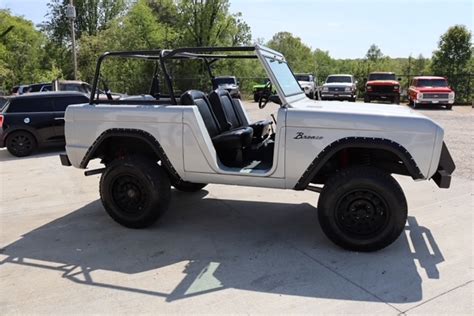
[207, 54]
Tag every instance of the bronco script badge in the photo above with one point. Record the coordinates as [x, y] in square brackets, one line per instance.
[301, 135]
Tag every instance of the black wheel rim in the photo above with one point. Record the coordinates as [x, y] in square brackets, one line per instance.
[129, 194]
[362, 214]
[21, 144]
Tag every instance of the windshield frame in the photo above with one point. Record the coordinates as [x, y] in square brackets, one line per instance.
[393, 77]
[424, 80]
[340, 76]
[266, 54]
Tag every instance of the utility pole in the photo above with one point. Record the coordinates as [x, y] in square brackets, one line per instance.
[71, 15]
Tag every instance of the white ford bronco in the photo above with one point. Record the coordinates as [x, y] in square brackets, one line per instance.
[188, 139]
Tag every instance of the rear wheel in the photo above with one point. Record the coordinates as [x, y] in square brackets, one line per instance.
[362, 209]
[21, 143]
[135, 191]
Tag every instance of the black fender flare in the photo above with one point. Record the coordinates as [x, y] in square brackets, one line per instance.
[360, 142]
[134, 133]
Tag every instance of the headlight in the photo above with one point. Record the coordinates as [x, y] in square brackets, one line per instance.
[325, 89]
[451, 95]
[419, 96]
[348, 89]
[396, 87]
[369, 87]
[306, 87]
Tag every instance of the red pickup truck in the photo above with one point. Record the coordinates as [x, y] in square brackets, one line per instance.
[382, 86]
[430, 91]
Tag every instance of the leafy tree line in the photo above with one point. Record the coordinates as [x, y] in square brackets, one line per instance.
[30, 55]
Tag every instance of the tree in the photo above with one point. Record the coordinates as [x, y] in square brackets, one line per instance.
[92, 16]
[374, 53]
[209, 23]
[453, 59]
[22, 57]
[298, 55]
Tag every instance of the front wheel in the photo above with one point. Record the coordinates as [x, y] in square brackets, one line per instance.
[135, 191]
[362, 209]
[367, 100]
[449, 107]
[311, 95]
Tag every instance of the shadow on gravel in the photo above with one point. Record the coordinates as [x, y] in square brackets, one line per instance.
[250, 245]
[41, 152]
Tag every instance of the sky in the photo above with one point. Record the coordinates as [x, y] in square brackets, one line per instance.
[345, 28]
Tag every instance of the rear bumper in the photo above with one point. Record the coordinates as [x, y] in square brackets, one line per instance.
[446, 167]
[65, 160]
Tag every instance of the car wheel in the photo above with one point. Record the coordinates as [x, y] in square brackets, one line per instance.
[449, 107]
[362, 209]
[311, 95]
[352, 99]
[396, 100]
[367, 100]
[188, 186]
[21, 143]
[256, 97]
[135, 191]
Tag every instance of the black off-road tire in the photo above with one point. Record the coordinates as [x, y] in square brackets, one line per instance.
[311, 95]
[21, 143]
[449, 106]
[256, 97]
[367, 100]
[396, 100]
[185, 186]
[135, 191]
[362, 209]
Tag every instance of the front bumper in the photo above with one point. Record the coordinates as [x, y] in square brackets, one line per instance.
[337, 96]
[382, 95]
[435, 101]
[446, 167]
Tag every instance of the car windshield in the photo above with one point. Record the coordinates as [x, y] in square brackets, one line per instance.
[285, 77]
[382, 77]
[226, 80]
[302, 77]
[338, 79]
[431, 83]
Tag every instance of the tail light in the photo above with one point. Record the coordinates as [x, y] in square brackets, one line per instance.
[1, 121]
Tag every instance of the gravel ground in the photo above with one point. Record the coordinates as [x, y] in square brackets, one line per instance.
[457, 123]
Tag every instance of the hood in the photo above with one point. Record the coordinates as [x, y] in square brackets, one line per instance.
[362, 116]
[434, 89]
[383, 83]
[305, 83]
[338, 84]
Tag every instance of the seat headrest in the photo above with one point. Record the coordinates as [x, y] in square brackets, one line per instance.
[189, 97]
[222, 93]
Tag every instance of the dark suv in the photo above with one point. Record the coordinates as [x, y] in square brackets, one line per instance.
[33, 120]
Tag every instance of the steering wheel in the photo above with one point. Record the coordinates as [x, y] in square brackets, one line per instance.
[265, 95]
[106, 89]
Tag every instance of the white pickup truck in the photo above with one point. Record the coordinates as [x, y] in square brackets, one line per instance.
[347, 153]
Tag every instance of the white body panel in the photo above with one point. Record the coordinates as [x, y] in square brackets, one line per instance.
[181, 132]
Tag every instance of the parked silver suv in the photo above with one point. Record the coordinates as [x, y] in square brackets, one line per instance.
[339, 87]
